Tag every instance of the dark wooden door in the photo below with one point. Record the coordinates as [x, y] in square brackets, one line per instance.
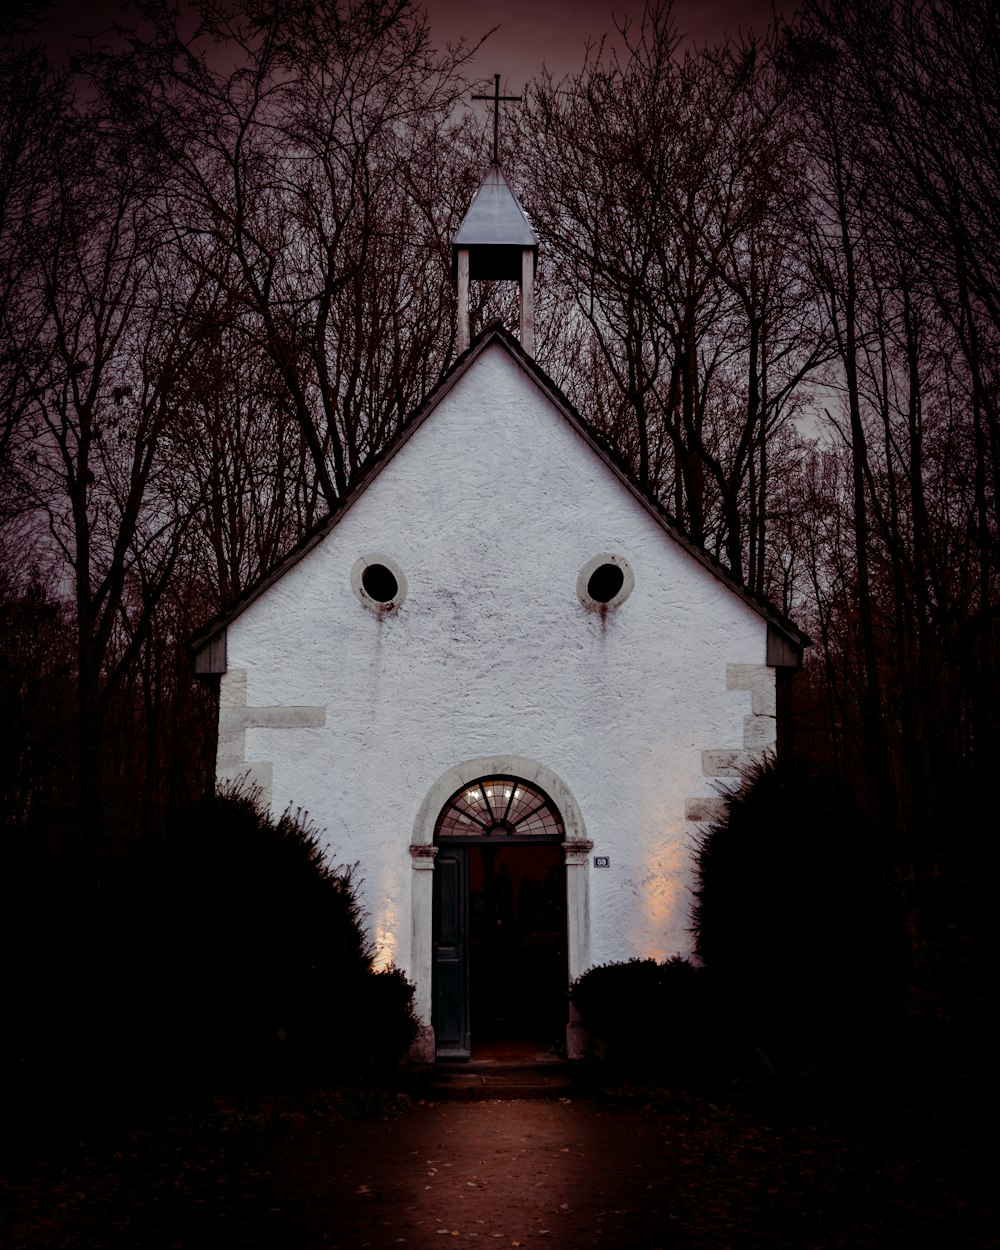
[451, 954]
[517, 942]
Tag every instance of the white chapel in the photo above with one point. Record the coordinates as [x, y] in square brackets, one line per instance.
[503, 684]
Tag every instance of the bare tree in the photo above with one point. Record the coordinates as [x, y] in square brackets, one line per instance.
[662, 188]
[32, 97]
[99, 384]
[898, 114]
[227, 282]
[303, 145]
[837, 214]
[238, 448]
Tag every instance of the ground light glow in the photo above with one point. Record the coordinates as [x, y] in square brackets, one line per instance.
[660, 925]
[386, 942]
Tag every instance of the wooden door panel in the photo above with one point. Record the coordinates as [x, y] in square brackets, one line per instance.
[451, 961]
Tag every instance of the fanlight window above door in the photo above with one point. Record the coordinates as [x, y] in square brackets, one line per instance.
[499, 807]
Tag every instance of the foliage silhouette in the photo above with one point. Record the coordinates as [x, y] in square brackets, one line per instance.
[646, 1016]
[228, 955]
[796, 923]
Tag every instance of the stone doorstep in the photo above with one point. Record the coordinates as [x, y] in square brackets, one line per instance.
[478, 1088]
[543, 1062]
[487, 1079]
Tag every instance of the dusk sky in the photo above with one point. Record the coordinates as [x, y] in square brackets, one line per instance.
[555, 32]
[531, 33]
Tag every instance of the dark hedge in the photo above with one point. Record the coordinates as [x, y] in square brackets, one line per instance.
[230, 953]
[648, 1016]
[796, 922]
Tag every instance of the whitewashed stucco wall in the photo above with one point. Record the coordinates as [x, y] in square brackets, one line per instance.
[491, 509]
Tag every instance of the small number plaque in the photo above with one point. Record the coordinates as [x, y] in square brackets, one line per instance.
[602, 861]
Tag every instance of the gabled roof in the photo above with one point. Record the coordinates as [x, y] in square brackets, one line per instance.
[785, 640]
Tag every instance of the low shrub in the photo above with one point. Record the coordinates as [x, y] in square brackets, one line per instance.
[384, 1021]
[648, 1016]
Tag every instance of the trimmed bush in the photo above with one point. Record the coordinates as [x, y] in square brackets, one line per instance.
[229, 954]
[796, 922]
[649, 1016]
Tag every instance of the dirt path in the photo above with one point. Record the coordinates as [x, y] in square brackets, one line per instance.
[574, 1173]
[289, 1174]
[519, 1173]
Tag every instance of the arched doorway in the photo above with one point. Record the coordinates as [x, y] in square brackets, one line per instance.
[499, 925]
[576, 850]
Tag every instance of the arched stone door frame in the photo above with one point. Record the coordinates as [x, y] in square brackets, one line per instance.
[576, 849]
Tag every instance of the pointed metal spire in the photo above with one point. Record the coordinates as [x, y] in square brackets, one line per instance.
[495, 243]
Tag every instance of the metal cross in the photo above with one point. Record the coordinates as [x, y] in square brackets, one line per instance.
[497, 99]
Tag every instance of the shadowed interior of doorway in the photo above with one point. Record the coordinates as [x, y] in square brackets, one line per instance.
[517, 950]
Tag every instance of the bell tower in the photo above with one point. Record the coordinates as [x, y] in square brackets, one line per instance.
[495, 242]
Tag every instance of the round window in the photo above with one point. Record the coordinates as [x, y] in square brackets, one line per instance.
[605, 582]
[379, 582]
